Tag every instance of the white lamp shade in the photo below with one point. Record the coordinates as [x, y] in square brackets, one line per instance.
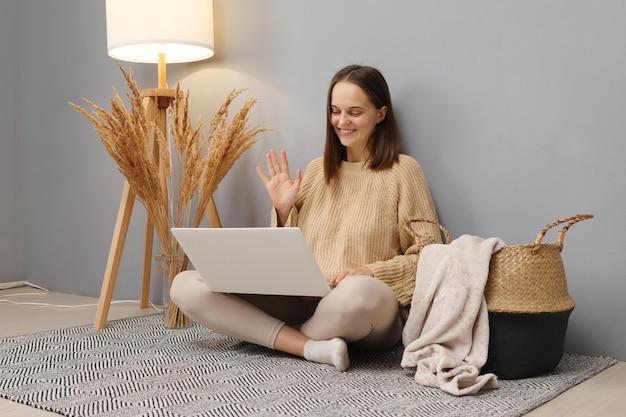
[140, 30]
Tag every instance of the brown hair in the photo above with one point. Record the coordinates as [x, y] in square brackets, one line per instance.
[384, 144]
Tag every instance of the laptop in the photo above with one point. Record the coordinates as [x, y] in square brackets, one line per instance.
[256, 260]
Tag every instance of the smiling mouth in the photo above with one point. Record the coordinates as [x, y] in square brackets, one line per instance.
[346, 131]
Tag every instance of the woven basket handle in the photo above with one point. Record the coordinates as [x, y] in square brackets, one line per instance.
[569, 220]
[443, 229]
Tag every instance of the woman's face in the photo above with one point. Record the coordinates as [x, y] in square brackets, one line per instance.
[354, 117]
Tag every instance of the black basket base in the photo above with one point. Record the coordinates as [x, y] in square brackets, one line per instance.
[522, 345]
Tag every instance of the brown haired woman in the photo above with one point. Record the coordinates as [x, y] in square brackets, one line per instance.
[352, 206]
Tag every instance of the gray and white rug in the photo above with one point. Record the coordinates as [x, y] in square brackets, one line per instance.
[137, 367]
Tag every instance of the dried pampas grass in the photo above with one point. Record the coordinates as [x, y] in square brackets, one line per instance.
[175, 179]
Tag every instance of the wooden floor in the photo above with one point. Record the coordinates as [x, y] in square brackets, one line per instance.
[603, 395]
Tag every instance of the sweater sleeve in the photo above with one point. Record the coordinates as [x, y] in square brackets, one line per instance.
[414, 201]
[291, 221]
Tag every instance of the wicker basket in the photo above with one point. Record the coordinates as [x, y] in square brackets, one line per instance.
[528, 304]
[531, 278]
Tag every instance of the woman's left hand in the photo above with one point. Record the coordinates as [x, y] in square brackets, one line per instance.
[362, 270]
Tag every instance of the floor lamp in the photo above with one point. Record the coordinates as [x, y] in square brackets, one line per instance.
[161, 32]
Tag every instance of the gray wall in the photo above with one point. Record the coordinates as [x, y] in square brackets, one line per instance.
[11, 242]
[514, 109]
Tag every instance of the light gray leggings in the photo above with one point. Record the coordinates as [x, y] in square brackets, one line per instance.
[362, 310]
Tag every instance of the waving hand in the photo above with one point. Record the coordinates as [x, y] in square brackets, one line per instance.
[280, 187]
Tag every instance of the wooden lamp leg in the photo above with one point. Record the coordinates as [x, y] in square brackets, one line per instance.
[144, 299]
[212, 215]
[115, 255]
[150, 104]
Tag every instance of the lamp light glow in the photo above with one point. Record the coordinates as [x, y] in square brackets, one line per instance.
[141, 30]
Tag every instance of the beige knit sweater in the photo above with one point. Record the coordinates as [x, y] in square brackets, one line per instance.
[360, 220]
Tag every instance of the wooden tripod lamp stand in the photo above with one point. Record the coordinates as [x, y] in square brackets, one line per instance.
[152, 31]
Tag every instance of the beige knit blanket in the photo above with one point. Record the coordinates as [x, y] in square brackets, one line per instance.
[446, 336]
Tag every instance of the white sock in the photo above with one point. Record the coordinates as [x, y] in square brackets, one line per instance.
[331, 352]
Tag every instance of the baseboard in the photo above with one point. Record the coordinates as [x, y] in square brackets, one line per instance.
[13, 284]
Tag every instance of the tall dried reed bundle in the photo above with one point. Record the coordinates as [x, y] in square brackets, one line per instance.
[185, 172]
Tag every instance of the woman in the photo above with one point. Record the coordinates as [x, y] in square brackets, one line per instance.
[352, 206]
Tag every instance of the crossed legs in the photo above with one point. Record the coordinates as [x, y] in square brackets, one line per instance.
[360, 310]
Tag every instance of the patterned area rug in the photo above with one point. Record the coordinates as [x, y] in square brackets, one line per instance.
[137, 367]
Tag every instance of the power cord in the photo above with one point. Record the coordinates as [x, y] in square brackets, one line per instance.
[19, 284]
[13, 284]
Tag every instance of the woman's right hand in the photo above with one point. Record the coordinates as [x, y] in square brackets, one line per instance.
[280, 187]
